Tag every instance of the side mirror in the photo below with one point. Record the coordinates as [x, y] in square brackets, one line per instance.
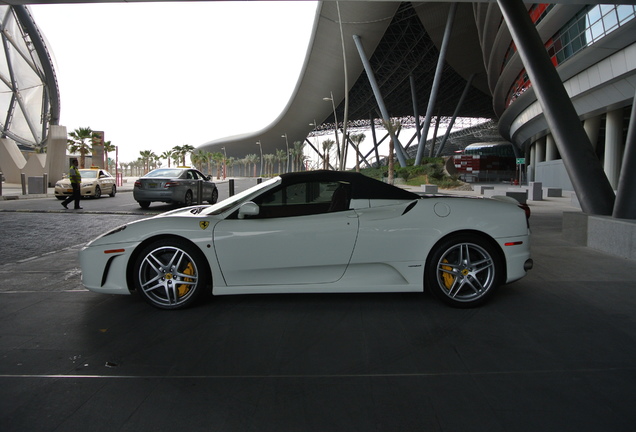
[208, 178]
[248, 209]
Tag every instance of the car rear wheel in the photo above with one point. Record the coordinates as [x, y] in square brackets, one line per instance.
[215, 196]
[98, 192]
[464, 270]
[188, 199]
[170, 274]
[113, 191]
[144, 204]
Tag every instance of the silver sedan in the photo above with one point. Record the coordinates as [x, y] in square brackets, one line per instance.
[173, 185]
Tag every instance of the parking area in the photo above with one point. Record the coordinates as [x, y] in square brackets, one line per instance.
[554, 351]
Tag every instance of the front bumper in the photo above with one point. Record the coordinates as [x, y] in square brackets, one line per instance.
[104, 267]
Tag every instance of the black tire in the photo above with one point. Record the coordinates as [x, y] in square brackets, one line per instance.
[215, 196]
[144, 204]
[170, 274]
[464, 270]
[113, 192]
[98, 192]
[187, 200]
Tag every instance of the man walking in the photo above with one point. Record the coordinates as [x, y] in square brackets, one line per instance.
[76, 180]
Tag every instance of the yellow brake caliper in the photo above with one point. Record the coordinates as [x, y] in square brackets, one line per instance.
[183, 288]
[447, 277]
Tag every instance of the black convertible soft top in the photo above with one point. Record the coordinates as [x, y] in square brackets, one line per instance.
[362, 187]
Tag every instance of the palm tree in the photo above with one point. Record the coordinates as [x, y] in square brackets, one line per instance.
[108, 147]
[229, 163]
[392, 127]
[327, 145]
[280, 157]
[147, 156]
[357, 140]
[185, 149]
[269, 160]
[77, 143]
[299, 155]
[218, 158]
[176, 154]
[251, 159]
[167, 155]
[195, 159]
[245, 162]
[209, 158]
[181, 151]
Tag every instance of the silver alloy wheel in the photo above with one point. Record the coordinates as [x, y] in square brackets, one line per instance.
[466, 272]
[168, 277]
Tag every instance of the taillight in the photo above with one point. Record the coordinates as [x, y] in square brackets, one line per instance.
[138, 184]
[171, 184]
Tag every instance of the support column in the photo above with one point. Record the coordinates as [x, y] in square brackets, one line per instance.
[375, 140]
[437, 122]
[550, 148]
[455, 114]
[436, 83]
[540, 149]
[592, 126]
[594, 192]
[399, 150]
[625, 207]
[533, 161]
[613, 145]
[416, 112]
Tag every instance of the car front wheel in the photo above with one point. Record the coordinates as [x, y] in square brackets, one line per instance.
[170, 274]
[464, 270]
[98, 192]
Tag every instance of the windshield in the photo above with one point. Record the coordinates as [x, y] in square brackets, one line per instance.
[88, 173]
[164, 173]
[246, 195]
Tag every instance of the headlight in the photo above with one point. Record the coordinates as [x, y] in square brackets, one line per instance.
[58, 184]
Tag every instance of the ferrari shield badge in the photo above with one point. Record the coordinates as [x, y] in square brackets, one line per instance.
[204, 224]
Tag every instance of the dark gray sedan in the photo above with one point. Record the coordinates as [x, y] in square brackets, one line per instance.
[173, 185]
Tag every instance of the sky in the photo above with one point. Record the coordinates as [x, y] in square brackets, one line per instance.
[153, 76]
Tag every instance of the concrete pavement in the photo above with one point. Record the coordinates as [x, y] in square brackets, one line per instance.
[554, 351]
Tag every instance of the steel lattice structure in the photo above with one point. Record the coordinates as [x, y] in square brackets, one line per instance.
[406, 49]
[30, 99]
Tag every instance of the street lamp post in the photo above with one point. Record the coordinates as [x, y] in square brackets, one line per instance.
[224, 163]
[335, 129]
[320, 157]
[286, 145]
[258, 143]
